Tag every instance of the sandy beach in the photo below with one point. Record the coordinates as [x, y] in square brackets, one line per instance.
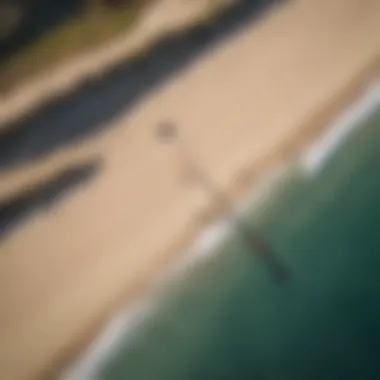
[246, 105]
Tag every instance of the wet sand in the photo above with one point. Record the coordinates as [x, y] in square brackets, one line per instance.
[247, 105]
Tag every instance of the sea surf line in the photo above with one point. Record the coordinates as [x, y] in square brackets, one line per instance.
[127, 323]
[320, 152]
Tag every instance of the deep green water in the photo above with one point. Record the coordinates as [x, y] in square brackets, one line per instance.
[229, 320]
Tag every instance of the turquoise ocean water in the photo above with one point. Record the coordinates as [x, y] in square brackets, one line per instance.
[227, 319]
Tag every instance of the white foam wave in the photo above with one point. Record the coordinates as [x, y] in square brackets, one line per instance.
[124, 324]
[321, 151]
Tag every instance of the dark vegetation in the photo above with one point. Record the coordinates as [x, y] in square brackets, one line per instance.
[35, 34]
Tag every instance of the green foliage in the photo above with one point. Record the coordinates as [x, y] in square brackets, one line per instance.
[97, 23]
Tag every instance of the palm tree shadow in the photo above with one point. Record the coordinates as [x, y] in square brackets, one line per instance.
[91, 107]
[44, 195]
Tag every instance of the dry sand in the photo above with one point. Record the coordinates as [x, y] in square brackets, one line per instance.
[240, 105]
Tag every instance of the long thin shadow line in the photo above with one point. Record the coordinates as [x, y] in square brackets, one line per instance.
[89, 109]
[43, 195]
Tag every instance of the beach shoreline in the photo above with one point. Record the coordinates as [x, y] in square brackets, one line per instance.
[206, 246]
[83, 277]
[216, 232]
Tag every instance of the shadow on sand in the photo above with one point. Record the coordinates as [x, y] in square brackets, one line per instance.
[44, 195]
[89, 108]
